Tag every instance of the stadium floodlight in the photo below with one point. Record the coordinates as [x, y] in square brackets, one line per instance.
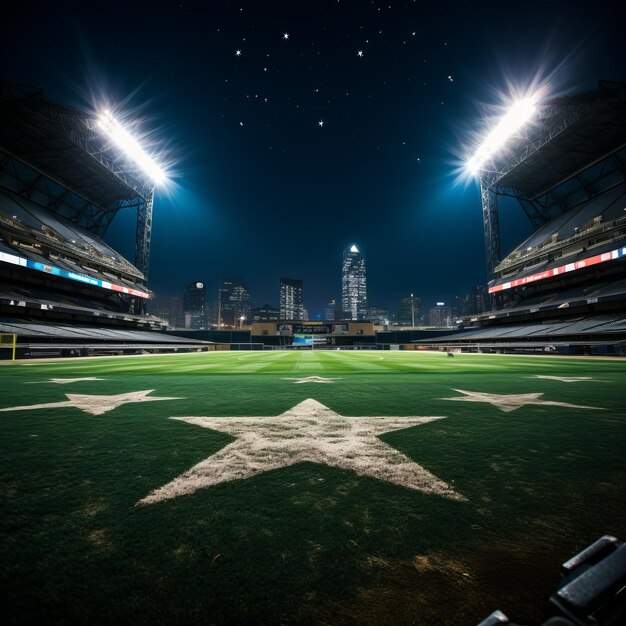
[518, 115]
[130, 146]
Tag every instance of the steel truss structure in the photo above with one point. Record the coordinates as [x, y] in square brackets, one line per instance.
[572, 151]
[54, 155]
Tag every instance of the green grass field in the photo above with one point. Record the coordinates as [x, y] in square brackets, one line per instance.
[530, 480]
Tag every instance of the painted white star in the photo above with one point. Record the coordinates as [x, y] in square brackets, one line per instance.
[512, 402]
[65, 381]
[312, 379]
[320, 123]
[309, 432]
[285, 36]
[567, 379]
[237, 53]
[96, 405]
[360, 53]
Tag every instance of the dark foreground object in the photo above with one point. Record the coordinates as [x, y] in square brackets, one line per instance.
[593, 591]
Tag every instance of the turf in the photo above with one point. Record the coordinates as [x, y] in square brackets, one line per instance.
[307, 543]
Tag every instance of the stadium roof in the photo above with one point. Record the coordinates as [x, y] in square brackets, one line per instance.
[57, 140]
[579, 130]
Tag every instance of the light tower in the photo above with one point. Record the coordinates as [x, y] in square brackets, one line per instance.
[483, 163]
[150, 176]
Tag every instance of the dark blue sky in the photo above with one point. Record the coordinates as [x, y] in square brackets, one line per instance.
[259, 187]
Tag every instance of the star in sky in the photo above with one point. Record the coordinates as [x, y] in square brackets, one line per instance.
[308, 432]
[237, 53]
[321, 123]
[360, 53]
[312, 379]
[95, 405]
[512, 402]
[285, 36]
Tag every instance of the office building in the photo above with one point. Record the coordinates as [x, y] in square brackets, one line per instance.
[353, 285]
[291, 299]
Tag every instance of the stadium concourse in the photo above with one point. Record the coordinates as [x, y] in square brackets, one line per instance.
[564, 287]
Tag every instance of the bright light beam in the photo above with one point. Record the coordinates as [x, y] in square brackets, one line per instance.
[130, 146]
[518, 115]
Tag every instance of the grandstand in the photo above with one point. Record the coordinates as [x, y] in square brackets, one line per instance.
[62, 182]
[565, 285]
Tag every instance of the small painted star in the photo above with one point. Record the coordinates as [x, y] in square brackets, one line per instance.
[320, 123]
[567, 379]
[285, 36]
[95, 405]
[312, 379]
[360, 53]
[65, 381]
[512, 402]
[237, 53]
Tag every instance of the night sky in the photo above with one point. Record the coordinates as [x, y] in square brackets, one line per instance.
[294, 130]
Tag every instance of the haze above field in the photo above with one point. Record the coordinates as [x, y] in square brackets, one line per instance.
[297, 130]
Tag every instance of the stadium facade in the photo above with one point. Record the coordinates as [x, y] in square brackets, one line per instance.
[353, 285]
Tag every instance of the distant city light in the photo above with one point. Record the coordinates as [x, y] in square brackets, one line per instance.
[518, 115]
[130, 146]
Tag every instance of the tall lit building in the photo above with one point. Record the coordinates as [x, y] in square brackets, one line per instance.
[353, 285]
[194, 305]
[440, 315]
[378, 315]
[175, 315]
[330, 312]
[234, 301]
[291, 299]
[409, 313]
[265, 313]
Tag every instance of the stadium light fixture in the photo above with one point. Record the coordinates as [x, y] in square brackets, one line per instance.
[518, 115]
[130, 146]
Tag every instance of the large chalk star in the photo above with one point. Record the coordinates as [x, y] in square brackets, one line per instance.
[96, 405]
[311, 432]
[512, 402]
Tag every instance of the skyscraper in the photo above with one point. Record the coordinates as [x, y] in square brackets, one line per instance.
[194, 305]
[440, 315]
[234, 301]
[291, 299]
[330, 312]
[409, 313]
[353, 285]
